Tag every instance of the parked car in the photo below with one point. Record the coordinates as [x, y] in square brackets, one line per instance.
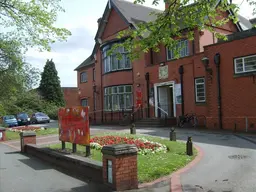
[40, 117]
[10, 121]
[23, 119]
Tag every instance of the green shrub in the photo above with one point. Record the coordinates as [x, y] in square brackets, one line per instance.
[51, 110]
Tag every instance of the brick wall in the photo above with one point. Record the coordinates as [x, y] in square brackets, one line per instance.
[71, 96]
[238, 93]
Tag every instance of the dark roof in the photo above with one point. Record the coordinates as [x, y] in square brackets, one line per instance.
[253, 21]
[135, 12]
[240, 35]
[87, 62]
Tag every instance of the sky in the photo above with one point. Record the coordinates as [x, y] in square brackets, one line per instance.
[80, 18]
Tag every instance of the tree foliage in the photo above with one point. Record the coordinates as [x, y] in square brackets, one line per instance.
[31, 22]
[178, 20]
[15, 74]
[50, 87]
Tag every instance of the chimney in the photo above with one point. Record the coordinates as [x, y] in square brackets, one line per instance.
[166, 4]
[172, 2]
[99, 20]
[253, 21]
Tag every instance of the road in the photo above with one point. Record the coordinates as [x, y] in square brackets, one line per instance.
[19, 173]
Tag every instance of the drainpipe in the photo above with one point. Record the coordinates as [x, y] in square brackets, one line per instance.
[147, 81]
[217, 63]
[181, 72]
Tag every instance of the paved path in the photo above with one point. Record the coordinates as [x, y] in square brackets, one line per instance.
[228, 164]
[19, 173]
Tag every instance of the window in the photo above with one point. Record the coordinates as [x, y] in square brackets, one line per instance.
[245, 64]
[112, 63]
[200, 90]
[118, 98]
[83, 77]
[93, 74]
[84, 102]
[182, 48]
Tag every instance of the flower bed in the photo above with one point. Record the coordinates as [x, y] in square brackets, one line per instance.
[25, 128]
[144, 146]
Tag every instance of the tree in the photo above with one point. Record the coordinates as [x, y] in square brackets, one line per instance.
[31, 22]
[178, 20]
[16, 75]
[50, 87]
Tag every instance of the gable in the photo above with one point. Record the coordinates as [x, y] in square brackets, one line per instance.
[114, 24]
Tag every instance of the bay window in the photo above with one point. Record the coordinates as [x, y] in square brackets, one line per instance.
[112, 63]
[118, 98]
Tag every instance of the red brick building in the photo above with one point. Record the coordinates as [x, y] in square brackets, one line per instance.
[166, 87]
[71, 96]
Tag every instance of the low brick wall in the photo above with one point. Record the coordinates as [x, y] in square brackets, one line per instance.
[81, 167]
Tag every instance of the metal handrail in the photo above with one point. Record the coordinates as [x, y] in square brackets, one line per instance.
[162, 110]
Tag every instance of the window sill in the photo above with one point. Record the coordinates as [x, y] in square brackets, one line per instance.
[83, 82]
[174, 59]
[125, 110]
[201, 103]
[237, 75]
[117, 71]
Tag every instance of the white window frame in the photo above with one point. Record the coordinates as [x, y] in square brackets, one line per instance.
[83, 77]
[108, 60]
[109, 96]
[196, 91]
[244, 64]
[184, 49]
[86, 101]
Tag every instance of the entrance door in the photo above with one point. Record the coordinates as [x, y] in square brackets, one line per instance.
[165, 101]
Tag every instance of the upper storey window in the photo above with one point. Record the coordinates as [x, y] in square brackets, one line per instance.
[112, 63]
[182, 48]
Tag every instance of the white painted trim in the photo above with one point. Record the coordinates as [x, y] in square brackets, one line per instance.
[171, 84]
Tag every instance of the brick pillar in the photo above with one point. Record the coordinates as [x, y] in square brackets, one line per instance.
[2, 134]
[28, 137]
[120, 166]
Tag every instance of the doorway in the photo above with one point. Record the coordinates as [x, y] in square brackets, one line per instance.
[165, 100]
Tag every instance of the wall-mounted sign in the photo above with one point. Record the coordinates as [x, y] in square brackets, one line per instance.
[138, 97]
[74, 125]
[178, 93]
[152, 97]
[163, 72]
[110, 178]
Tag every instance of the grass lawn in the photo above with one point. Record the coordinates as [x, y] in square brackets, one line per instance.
[152, 166]
[10, 135]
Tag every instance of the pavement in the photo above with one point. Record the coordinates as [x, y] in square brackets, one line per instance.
[19, 173]
[227, 164]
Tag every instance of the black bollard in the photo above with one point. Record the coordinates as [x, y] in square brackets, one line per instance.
[172, 134]
[189, 146]
[235, 128]
[63, 145]
[133, 129]
[73, 148]
[87, 151]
